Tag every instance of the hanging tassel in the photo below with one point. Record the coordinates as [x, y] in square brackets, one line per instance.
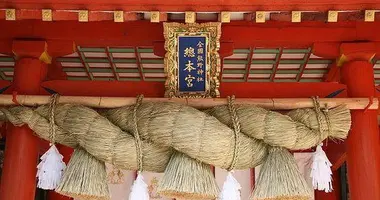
[231, 189]
[50, 169]
[280, 178]
[139, 190]
[321, 171]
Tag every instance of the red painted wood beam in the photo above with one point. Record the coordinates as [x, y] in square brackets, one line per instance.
[59, 15]
[194, 5]
[156, 89]
[243, 34]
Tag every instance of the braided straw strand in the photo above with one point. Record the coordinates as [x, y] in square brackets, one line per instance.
[52, 127]
[236, 127]
[137, 135]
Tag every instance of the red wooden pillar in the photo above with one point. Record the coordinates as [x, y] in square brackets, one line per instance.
[21, 150]
[363, 142]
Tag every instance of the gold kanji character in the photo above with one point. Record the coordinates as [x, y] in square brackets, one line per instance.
[200, 72]
[200, 79]
[189, 52]
[189, 79]
[200, 51]
[189, 66]
[200, 58]
[200, 65]
[200, 44]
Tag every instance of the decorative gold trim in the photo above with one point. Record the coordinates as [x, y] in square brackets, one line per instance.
[341, 60]
[190, 17]
[332, 16]
[83, 16]
[296, 16]
[370, 15]
[10, 14]
[260, 16]
[45, 57]
[225, 17]
[155, 17]
[47, 15]
[171, 33]
[118, 16]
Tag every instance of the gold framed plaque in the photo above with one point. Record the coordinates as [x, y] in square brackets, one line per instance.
[192, 62]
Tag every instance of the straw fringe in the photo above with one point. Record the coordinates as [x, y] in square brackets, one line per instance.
[85, 178]
[280, 170]
[187, 178]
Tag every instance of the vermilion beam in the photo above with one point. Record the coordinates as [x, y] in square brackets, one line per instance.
[157, 89]
[194, 5]
[243, 34]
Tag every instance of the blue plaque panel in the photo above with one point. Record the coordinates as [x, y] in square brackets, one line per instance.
[192, 51]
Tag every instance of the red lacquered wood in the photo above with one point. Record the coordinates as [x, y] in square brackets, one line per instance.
[21, 150]
[157, 89]
[363, 143]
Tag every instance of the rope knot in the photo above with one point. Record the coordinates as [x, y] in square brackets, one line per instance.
[322, 116]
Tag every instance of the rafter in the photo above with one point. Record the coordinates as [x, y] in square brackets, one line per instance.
[249, 64]
[138, 63]
[275, 66]
[84, 63]
[303, 66]
[112, 64]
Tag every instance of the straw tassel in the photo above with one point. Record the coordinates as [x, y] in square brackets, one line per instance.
[50, 169]
[139, 190]
[231, 188]
[321, 171]
[280, 178]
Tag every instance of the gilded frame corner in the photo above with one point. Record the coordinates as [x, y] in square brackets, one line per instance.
[171, 33]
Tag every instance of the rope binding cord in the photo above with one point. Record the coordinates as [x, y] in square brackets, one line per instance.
[51, 167]
[321, 167]
[139, 190]
[324, 128]
[52, 105]
[231, 187]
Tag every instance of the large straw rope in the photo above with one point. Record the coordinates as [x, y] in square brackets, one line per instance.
[205, 136]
